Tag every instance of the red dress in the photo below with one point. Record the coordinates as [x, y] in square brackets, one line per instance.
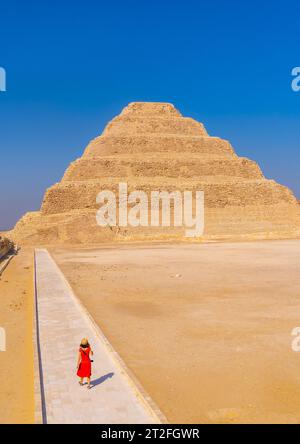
[85, 366]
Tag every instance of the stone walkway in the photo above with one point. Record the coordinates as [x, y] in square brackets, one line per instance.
[61, 323]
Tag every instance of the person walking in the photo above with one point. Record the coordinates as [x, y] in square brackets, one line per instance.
[84, 362]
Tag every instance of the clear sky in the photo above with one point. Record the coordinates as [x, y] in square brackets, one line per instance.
[72, 65]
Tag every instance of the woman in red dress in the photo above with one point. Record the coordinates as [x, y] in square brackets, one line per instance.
[84, 366]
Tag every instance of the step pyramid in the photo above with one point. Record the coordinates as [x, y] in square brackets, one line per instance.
[151, 146]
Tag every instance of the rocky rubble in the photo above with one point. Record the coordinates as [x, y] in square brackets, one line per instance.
[5, 246]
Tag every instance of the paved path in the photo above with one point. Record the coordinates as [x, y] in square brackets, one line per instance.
[62, 322]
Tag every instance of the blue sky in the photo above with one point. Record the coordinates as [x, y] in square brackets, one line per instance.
[72, 65]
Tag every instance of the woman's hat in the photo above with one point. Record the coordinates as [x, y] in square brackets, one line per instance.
[84, 341]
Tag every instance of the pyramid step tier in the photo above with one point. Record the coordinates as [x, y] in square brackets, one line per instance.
[127, 124]
[185, 166]
[156, 109]
[279, 221]
[139, 144]
[67, 196]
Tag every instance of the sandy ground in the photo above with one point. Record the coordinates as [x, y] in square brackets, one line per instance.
[205, 328]
[16, 364]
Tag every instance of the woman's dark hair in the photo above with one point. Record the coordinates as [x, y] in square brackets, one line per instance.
[84, 345]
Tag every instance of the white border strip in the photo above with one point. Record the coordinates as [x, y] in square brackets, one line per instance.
[38, 413]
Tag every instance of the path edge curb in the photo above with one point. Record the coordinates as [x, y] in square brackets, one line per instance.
[39, 410]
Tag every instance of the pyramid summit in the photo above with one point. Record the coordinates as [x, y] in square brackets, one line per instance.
[151, 146]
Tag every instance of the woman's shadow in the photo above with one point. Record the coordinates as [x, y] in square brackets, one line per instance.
[102, 379]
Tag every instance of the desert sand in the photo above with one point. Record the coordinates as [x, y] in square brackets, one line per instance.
[16, 364]
[205, 328]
